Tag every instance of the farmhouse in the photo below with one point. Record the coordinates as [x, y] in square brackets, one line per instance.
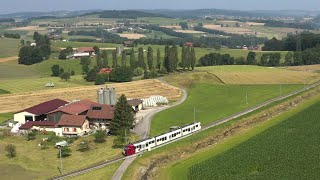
[105, 71]
[72, 125]
[100, 116]
[89, 50]
[38, 112]
[73, 108]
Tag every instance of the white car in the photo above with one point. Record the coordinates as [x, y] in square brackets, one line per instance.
[61, 144]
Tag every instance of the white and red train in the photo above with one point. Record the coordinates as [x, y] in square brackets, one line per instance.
[148, 144]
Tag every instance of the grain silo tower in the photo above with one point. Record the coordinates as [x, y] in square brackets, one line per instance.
[107, 96]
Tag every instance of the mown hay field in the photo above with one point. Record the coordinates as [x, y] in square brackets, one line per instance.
[136, 89]
[132, 36]
[288, 150]
[261, 75]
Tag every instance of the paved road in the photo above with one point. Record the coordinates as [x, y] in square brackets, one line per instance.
[143, 129]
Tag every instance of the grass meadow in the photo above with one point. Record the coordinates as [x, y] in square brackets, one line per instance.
[9, 47]
[43, 163]
[214, 101]
[288, 150]
[5, 116]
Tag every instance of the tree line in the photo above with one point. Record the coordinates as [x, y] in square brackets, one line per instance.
[298, 25]
[215, 59]
[12, 35]
[29, 55]
[126, 14]
[6, 20]
[211, 31]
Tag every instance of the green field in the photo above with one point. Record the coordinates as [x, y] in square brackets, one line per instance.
[213, 102]
[293, 154]
[9, 47]
[105, 173]
[5, 116]
[4, 92]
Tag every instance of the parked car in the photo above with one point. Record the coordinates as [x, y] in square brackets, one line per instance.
[61, 144]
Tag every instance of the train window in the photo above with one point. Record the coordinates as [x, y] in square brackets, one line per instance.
[197, 125]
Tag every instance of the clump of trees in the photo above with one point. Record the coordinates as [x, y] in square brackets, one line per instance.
[12, 35]
[58, 71]
[29, 55]
[65, 152]
[83, 146]
[65, 52]
[100, 136]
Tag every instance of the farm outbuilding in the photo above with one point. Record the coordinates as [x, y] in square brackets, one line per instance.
[137, 104]
[100, 116]
[38, 112]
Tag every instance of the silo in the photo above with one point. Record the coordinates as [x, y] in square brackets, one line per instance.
[113, 96]
[106, 96]
[100, 96]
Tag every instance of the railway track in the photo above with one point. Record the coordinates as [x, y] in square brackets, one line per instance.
[211, 125]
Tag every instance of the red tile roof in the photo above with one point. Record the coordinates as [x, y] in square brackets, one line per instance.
[72, 121]
[76, 107]
[85, 49]
[105, 70]
[45, 107]
[30, 124]
[101, 111]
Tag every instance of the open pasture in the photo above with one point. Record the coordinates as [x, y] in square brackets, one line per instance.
[287, 150]
[233, 30]
[29, 28]
[136, 89]
[9, 47]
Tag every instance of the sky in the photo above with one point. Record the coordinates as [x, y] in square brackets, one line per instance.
[10, 6]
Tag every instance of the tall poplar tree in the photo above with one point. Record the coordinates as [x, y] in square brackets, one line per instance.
[104, 55]
[114, 59]
[158, 59]
[141, 62]
[150, 58]
[188, 59]
[123, 58]
[183, 57]
[99, 61]
[192, 58]
[133, 63]
[166, 58]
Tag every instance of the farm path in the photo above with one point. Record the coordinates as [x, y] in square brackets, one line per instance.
[143, 130]
[8, 59]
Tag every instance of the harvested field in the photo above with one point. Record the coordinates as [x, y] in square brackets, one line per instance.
[8, 59]
[255, 24]
[137, 89]
[132, 36]
[190, 31]
[29, 28]
[309, 68]
[233, 30]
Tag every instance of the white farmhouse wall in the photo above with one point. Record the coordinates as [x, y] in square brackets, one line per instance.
[20, 117]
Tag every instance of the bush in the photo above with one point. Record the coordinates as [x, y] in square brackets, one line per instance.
[121, 74]
[31, 136]
[72, 73]
[55, 69]
[11, 151]
[138, 71]
[83, 146]
[100, 136]
[65, 152]
[100, 79]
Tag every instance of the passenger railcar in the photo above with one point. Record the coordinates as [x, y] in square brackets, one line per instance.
[148, 144]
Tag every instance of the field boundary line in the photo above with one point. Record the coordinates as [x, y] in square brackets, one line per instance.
[216, 77]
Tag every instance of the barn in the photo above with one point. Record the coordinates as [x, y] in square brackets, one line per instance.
[38, 112]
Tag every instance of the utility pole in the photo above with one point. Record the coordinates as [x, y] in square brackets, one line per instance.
[61, 168]
[194, 114]
[247, 97]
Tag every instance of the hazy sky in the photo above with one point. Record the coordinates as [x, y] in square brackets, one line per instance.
[9, 6]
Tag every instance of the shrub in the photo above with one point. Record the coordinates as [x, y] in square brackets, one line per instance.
[83, 146]
[65, 152]
[31, 136]
[100, 79]
[100, 136]
[72, 73]
[11, 151]
[138, 71]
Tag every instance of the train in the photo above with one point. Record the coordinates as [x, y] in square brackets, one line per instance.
[149, 143]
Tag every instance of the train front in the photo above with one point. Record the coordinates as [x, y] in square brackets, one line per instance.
[129, 150]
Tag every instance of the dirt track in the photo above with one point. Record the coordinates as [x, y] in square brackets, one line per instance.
[136, 89]
[8, 59]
